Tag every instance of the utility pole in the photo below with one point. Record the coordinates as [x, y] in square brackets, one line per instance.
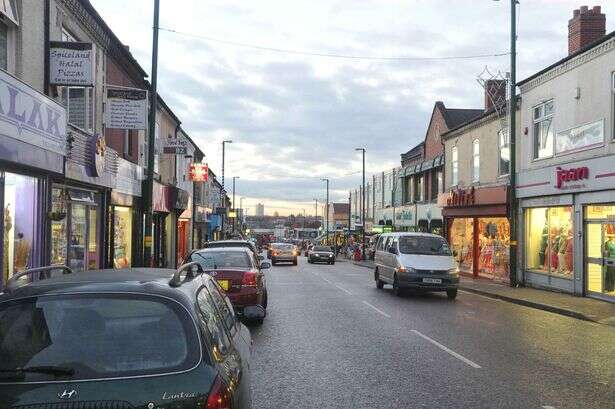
[512, 107]
[327, 209]
[349, 212]
[151, 141]
[363, 205]
[223, 190]
[234, 208]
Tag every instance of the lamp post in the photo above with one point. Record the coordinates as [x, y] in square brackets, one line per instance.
[362, 150]
[327, 208]
[222, 191]
[512, 113]
[234, 206]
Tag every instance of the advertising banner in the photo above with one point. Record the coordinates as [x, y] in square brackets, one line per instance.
[71, 63]
[198, 172]
[126, 109]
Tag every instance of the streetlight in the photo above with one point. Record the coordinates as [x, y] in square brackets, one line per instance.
[316, 209]
[362, 150]
[512, 108]
[223, 190]
[234, 208]
[327, 207]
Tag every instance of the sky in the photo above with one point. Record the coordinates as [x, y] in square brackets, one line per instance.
[295, 119]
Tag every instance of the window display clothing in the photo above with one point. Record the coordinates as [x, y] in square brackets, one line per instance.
[609, 278]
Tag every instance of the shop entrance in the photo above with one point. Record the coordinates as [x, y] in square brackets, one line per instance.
[600, 250]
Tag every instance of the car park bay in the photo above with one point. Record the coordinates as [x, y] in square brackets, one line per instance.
[333, 340]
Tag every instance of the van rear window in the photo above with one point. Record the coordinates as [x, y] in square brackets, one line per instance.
[93, 336]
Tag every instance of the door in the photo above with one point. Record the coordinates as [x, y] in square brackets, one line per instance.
[600, 258]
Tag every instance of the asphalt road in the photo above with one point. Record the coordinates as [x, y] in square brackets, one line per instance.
[332, 340]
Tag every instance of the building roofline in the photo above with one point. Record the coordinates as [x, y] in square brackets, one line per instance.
[569, 57]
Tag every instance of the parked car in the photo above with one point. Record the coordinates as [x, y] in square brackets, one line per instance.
[232, 243]
[284, 252]
[237, 272]
[419, 261]
[132, 338]
[321, 254]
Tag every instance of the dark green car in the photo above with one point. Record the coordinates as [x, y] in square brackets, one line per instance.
[120, 339]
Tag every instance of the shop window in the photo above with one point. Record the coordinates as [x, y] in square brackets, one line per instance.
[549, 240]
[600, 249]
[462, 239]
[20, 223]
[475, 161]
[493, 248]
[543, 130]
[455, 167]
[440, 176]
[122, 237]
[8, 29]
[504, 140]
[4, 46]
[419, 188]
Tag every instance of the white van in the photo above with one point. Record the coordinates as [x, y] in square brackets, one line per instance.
[421, 261]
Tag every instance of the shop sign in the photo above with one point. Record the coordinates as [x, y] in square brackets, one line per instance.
[71, 63]
[98, 162]
[129, 177]
[31, 117]
[461, 197]
[126, 109]
[570, 175]
[198, 172]
[175, 146]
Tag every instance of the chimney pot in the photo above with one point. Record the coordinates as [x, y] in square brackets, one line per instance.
[585, 27]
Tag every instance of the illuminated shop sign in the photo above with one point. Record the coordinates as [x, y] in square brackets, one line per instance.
[570, 175]
[461, 197]
[198, 172]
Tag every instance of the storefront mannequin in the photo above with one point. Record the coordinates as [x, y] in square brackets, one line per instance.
[609, 279]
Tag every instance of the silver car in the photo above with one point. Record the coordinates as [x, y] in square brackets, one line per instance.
[284, 252]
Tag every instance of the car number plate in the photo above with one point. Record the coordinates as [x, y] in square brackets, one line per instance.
[432, 280]
[224, 284]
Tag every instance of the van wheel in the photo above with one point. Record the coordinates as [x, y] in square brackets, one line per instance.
[379, 282]
[397, 290]
[451, 294]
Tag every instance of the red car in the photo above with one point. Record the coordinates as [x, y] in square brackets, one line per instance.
[237, 272]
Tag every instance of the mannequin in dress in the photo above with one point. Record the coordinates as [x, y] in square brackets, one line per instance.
[562, 245]
[553, 248]
[609, 274]
[544, 243]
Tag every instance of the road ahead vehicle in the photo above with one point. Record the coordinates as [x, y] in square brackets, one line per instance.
[133, 338]
[309, 247]
[236, 271]
[284, 252]
[233, 243]
[420, 261]
[321, 254]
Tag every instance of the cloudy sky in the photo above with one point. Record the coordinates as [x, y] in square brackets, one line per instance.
[295, 119]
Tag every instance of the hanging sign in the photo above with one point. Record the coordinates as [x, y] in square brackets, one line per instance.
[71, 63]
[126, 109]
[175, 146]
[198, 172]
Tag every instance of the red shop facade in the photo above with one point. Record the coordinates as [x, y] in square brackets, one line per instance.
[477, 228]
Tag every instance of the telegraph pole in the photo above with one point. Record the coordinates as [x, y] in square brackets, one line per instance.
[234, 208]
[512, 207]
[151, 137]
[222, 191]
[327, 208]
[363, 205]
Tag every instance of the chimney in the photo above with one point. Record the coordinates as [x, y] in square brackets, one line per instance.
[585, 27]
[495, 93]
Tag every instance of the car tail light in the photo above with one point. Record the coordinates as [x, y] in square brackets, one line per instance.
[219, 396]
[249, 279]
[275, 253]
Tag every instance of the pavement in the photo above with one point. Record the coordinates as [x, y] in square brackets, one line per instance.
[332, 340]
[583, 308]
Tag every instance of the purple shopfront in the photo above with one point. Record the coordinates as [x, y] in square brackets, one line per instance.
[32, 151]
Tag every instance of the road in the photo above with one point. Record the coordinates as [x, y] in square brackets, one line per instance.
[332, 340]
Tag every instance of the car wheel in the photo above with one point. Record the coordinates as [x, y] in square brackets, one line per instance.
[295, 261]
[273, 262]
[265, 300]
[451, 293]
[379, 282]
[397, 291]
[333, 262]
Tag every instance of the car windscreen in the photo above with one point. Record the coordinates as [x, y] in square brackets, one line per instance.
[222, 259]
[94, 336]
[435, 246]
[284, 247]
[322, 248]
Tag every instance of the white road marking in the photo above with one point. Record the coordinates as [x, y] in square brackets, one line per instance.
[377, 309]
[446, 349]
[547, 407]
[343, 289]
[326, 280]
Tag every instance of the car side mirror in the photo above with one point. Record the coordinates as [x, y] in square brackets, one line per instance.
[392, 250]
[265, 265]
[260, 258]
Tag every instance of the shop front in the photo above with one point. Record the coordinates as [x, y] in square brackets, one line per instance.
[478, 231]
[125, 217]
[162, 225]
[567, 227]
[429, 218]
[405, 218]
[32, 151]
